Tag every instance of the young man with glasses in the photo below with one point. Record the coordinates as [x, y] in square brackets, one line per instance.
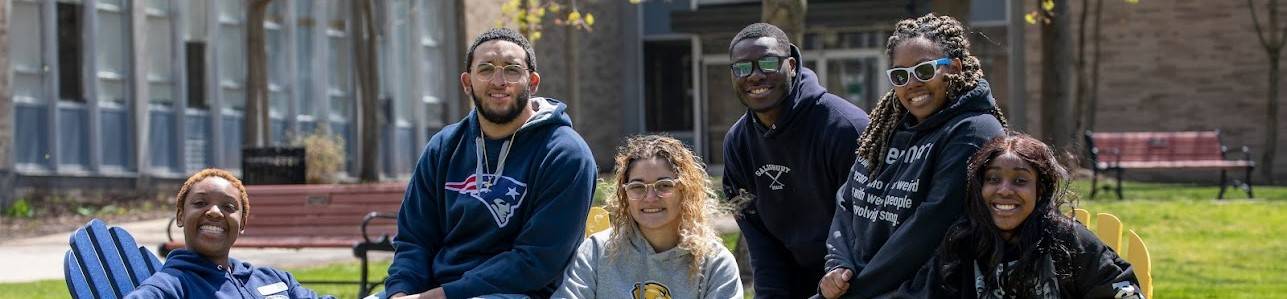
[496, 206]
[784, 160]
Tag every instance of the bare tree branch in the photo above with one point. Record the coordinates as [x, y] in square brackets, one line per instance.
[1256, 21]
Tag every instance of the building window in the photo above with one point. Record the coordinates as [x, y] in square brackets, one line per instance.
[232, 55]
[276, 48]
[111, 51]
[432, 64]
[340, 60]
[28, 61]
[69, 52]
[160, 71]
[196, 64]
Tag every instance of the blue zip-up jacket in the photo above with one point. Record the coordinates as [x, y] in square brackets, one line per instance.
[887, 224]
[188, 275]
[784, 179]
[506, 222]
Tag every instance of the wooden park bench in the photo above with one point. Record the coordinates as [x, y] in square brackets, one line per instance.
[1162, 150]
[361, 217]
[1109, 230]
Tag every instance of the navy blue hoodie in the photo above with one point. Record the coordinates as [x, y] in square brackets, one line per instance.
[187, 274]
[784, 180]
[504, 223]
[888, 224]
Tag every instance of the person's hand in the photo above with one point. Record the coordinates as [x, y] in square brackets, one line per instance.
[435, 293]
[835, 283]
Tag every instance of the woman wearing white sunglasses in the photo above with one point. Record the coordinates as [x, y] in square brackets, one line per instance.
[661, 244]
[908, 183]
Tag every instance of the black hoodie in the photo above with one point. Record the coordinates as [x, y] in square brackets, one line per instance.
[790, 174]
[1094, 271]
[889, 223]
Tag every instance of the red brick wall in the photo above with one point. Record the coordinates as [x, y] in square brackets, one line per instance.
[1176, 65]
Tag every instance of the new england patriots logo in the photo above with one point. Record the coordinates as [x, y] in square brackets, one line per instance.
[501, 195]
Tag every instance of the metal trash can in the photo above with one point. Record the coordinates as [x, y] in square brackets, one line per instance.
[273, 165]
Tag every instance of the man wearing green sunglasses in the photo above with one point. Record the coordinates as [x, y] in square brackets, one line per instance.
[784, 160]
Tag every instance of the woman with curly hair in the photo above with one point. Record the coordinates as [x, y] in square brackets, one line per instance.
[661, 244]
[908, 183]
[1014, 242]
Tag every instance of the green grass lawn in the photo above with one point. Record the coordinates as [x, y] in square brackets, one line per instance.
[1201, 248]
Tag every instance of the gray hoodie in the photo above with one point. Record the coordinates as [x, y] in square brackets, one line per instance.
[639, 269]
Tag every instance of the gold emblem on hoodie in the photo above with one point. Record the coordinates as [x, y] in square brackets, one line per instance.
[651, 290]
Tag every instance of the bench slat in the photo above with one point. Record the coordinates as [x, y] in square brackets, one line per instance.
[1179, 164]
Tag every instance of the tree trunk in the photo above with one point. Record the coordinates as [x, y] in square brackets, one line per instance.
[1271, 133]
[1056, 75]
[786, 14]
[6, 118]
[572, 50]
[1079, 95]
[1274, 49]
[1273, 45]
[364, 44]
[255, 125]
[1092, 98]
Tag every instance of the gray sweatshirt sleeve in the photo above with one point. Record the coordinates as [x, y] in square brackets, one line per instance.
[724, 279]
[579, 279]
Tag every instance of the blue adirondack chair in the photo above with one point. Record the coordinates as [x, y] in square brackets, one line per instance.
[106, 262]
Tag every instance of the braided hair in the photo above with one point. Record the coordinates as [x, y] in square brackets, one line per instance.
[950, 37]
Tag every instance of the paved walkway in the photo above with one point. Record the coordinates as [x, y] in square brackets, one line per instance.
[41, 258]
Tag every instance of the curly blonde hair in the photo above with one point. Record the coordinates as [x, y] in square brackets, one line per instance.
[696, 198]
[182, 197]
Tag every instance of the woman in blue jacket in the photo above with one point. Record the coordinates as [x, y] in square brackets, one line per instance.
[212, 210]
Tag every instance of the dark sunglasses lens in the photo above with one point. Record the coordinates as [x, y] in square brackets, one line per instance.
[899, 77]
[741, 69]
[770, 64]
[925, 72]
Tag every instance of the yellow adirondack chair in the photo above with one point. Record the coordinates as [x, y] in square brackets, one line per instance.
[597, 221]
[1082, 216]
[1139, 258]
[1109, 229]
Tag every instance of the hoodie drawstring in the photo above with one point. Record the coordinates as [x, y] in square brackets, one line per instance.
[241, 287]
[480, 146]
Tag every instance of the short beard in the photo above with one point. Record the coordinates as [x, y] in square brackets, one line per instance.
[503, 117]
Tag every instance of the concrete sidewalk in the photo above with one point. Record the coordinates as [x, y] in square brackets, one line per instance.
[41, 258]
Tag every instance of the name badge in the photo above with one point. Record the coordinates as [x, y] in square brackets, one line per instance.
[272, 289]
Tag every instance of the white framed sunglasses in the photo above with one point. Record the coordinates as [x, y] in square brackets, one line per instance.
[924, 71]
